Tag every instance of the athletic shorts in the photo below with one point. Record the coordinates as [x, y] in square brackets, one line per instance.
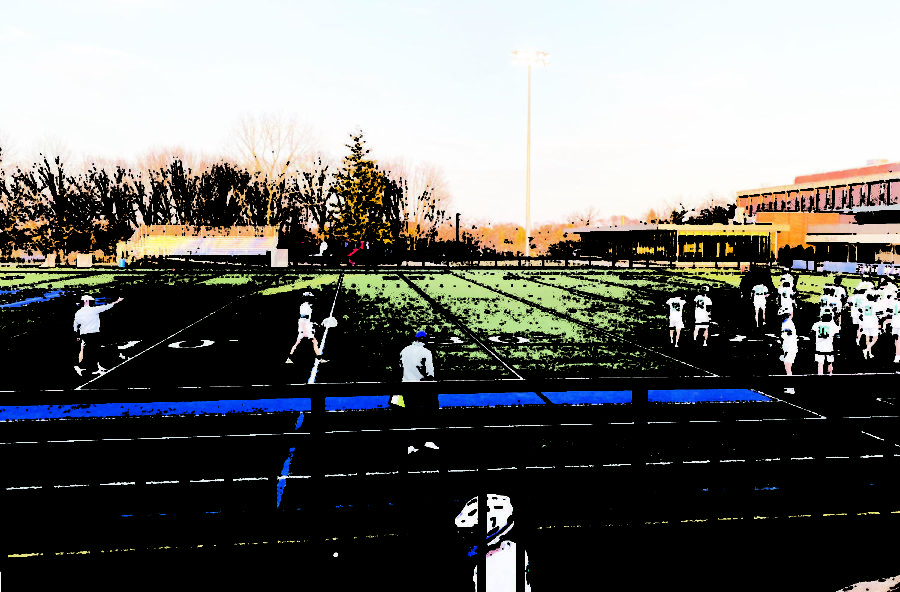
[676, 324]
[828, 358]
[759, 302]
[702, 323]
[870, 330]
[788, 356]
[895, 327]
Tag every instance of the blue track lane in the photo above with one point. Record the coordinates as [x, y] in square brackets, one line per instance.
[15, 413]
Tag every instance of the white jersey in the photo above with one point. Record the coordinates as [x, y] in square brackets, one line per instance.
[416, 362]
[87, 319]
[760, 291]
[702, 305]
[788, 278]
[895, 319]
[856, 302]
[788, 336]
[676, 307]
[786, 298]
[862, 287]
[830, 304]
[869, 314]
[305, 328]
[500, 564]
[840, 293]
[825, 332]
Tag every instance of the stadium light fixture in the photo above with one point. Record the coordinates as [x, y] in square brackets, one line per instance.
[530, 58]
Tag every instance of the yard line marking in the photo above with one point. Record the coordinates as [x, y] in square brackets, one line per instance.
[452, 318]
[315, 368]
[158, 343]
[286, 466]
[873, 436]
[581, 323]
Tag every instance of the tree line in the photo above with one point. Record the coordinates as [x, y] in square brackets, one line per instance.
[45, 208]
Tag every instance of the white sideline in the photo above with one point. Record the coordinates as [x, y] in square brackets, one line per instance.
[159, 343]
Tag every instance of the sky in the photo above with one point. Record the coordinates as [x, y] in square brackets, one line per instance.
[644, 104]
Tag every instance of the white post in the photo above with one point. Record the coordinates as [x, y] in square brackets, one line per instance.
[528, 173]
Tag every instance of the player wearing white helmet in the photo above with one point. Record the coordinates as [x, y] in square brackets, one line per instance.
[839, 290]
[87, 332]
[305, 331]
[702, 308]
[824, 332]
[675, 305]
[894, 319]
[830, 303]
[787, 278]
[855, 304]
[788, 342]
[864, 286]
[786, 300]
[500, 551]
[869, 324]
[760, 294]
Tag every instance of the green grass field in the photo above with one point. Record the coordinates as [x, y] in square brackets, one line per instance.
[485, 324]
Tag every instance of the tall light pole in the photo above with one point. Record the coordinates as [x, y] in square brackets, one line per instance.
[529, 58]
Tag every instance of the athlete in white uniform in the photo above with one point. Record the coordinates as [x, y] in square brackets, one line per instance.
[786, 300]
[702, 308]
[895, 324]
[305, 328]
[855, 304]
[869, 324]
[87, 332]
[830, 303]
[675, 306]
[501, 561]
[788, 342]
[840, 292]
[760, 293]
[824, 331]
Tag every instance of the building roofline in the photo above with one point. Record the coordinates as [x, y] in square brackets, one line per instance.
[893, 176]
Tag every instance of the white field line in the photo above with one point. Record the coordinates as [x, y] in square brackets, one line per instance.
[161, 342]
[315, 368]
[446, 312]
[587, 325]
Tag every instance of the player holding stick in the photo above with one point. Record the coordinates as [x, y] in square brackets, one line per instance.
[305, 330]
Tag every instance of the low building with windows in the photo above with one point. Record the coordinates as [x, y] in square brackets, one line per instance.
[848, 217]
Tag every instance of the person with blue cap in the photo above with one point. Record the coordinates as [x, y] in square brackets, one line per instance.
[418, 365]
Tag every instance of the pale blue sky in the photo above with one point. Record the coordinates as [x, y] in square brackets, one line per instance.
[645, 102]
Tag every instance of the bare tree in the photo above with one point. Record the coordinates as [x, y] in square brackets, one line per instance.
[589, 216]
[426, 197]
[312, 195]
[272, 147]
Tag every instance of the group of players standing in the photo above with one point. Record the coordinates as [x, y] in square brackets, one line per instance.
[873, 310]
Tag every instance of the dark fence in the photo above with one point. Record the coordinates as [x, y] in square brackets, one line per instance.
[774, 483]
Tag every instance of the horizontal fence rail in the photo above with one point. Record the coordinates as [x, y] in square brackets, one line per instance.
[267, 482]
